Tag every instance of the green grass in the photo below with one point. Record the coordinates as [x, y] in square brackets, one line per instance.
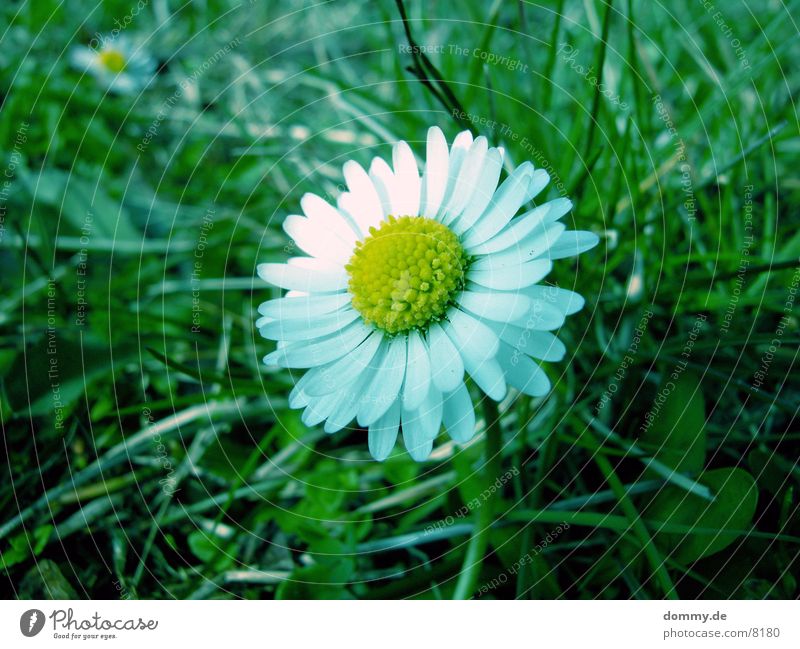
[150, 454]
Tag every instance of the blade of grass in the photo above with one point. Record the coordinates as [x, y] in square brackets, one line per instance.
[639, 528]
[547, 76]
[599, 62]
[479, 541]
[424, 70]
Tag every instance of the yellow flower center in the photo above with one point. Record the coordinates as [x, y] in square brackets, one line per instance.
[406, 273]
[112, 60]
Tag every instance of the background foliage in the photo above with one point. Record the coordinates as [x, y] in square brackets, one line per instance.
[178, 470]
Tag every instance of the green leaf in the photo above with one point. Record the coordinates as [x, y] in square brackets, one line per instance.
[83, 204]
[210, 549]
[318, 581]
[53, 374]
[773, 471]
[507, 542]
[322, 501]
[469, 478]
[24, 545]
[677, 436]
[735, 499]
[46, 581]
[399, 469]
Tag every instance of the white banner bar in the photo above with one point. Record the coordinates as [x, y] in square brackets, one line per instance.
[384, 625]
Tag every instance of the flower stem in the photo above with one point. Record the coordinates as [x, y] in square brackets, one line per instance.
[479, 541]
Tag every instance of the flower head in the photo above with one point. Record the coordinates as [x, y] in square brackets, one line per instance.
[406, 273]
[116, 63]
[411, 283]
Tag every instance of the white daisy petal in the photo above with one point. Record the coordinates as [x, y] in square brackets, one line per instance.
[384, 181]
[421, 426]
[419, 446]
[303, 354]
[538, 182]
[462, 141]
[318, 409]
[458, 152]
[477, 345]
[347, 369]
[312, 263]
[468, 176]
[446, 364]
[320, 212]
[503, 307]
[363, 202]
[467, 332]
[543, 316]
[534, 245]
[538, 344]
[263, 321]
[418, 372]
[434, 180]
[307, 329]
[303, 307]
[383, 433]
[534, 220]
[458, 414]
[303, 279]
[511, 278]
[522, 372]
[385, 387]
[83, 57]
[572, 243]
[123, 83]
[484, 191]
[351, 205]
[568, 302]
[342, 413]
[505, 205]
[298, 397]
[430, 411]
[348, 402]
[407, 180]
[558, 208]
[486, 373]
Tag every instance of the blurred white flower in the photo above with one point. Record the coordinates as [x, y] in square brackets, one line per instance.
[412, 281]
[117, 64]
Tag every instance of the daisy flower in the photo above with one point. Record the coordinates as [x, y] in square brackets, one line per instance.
[413, 283]
[117, 64]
